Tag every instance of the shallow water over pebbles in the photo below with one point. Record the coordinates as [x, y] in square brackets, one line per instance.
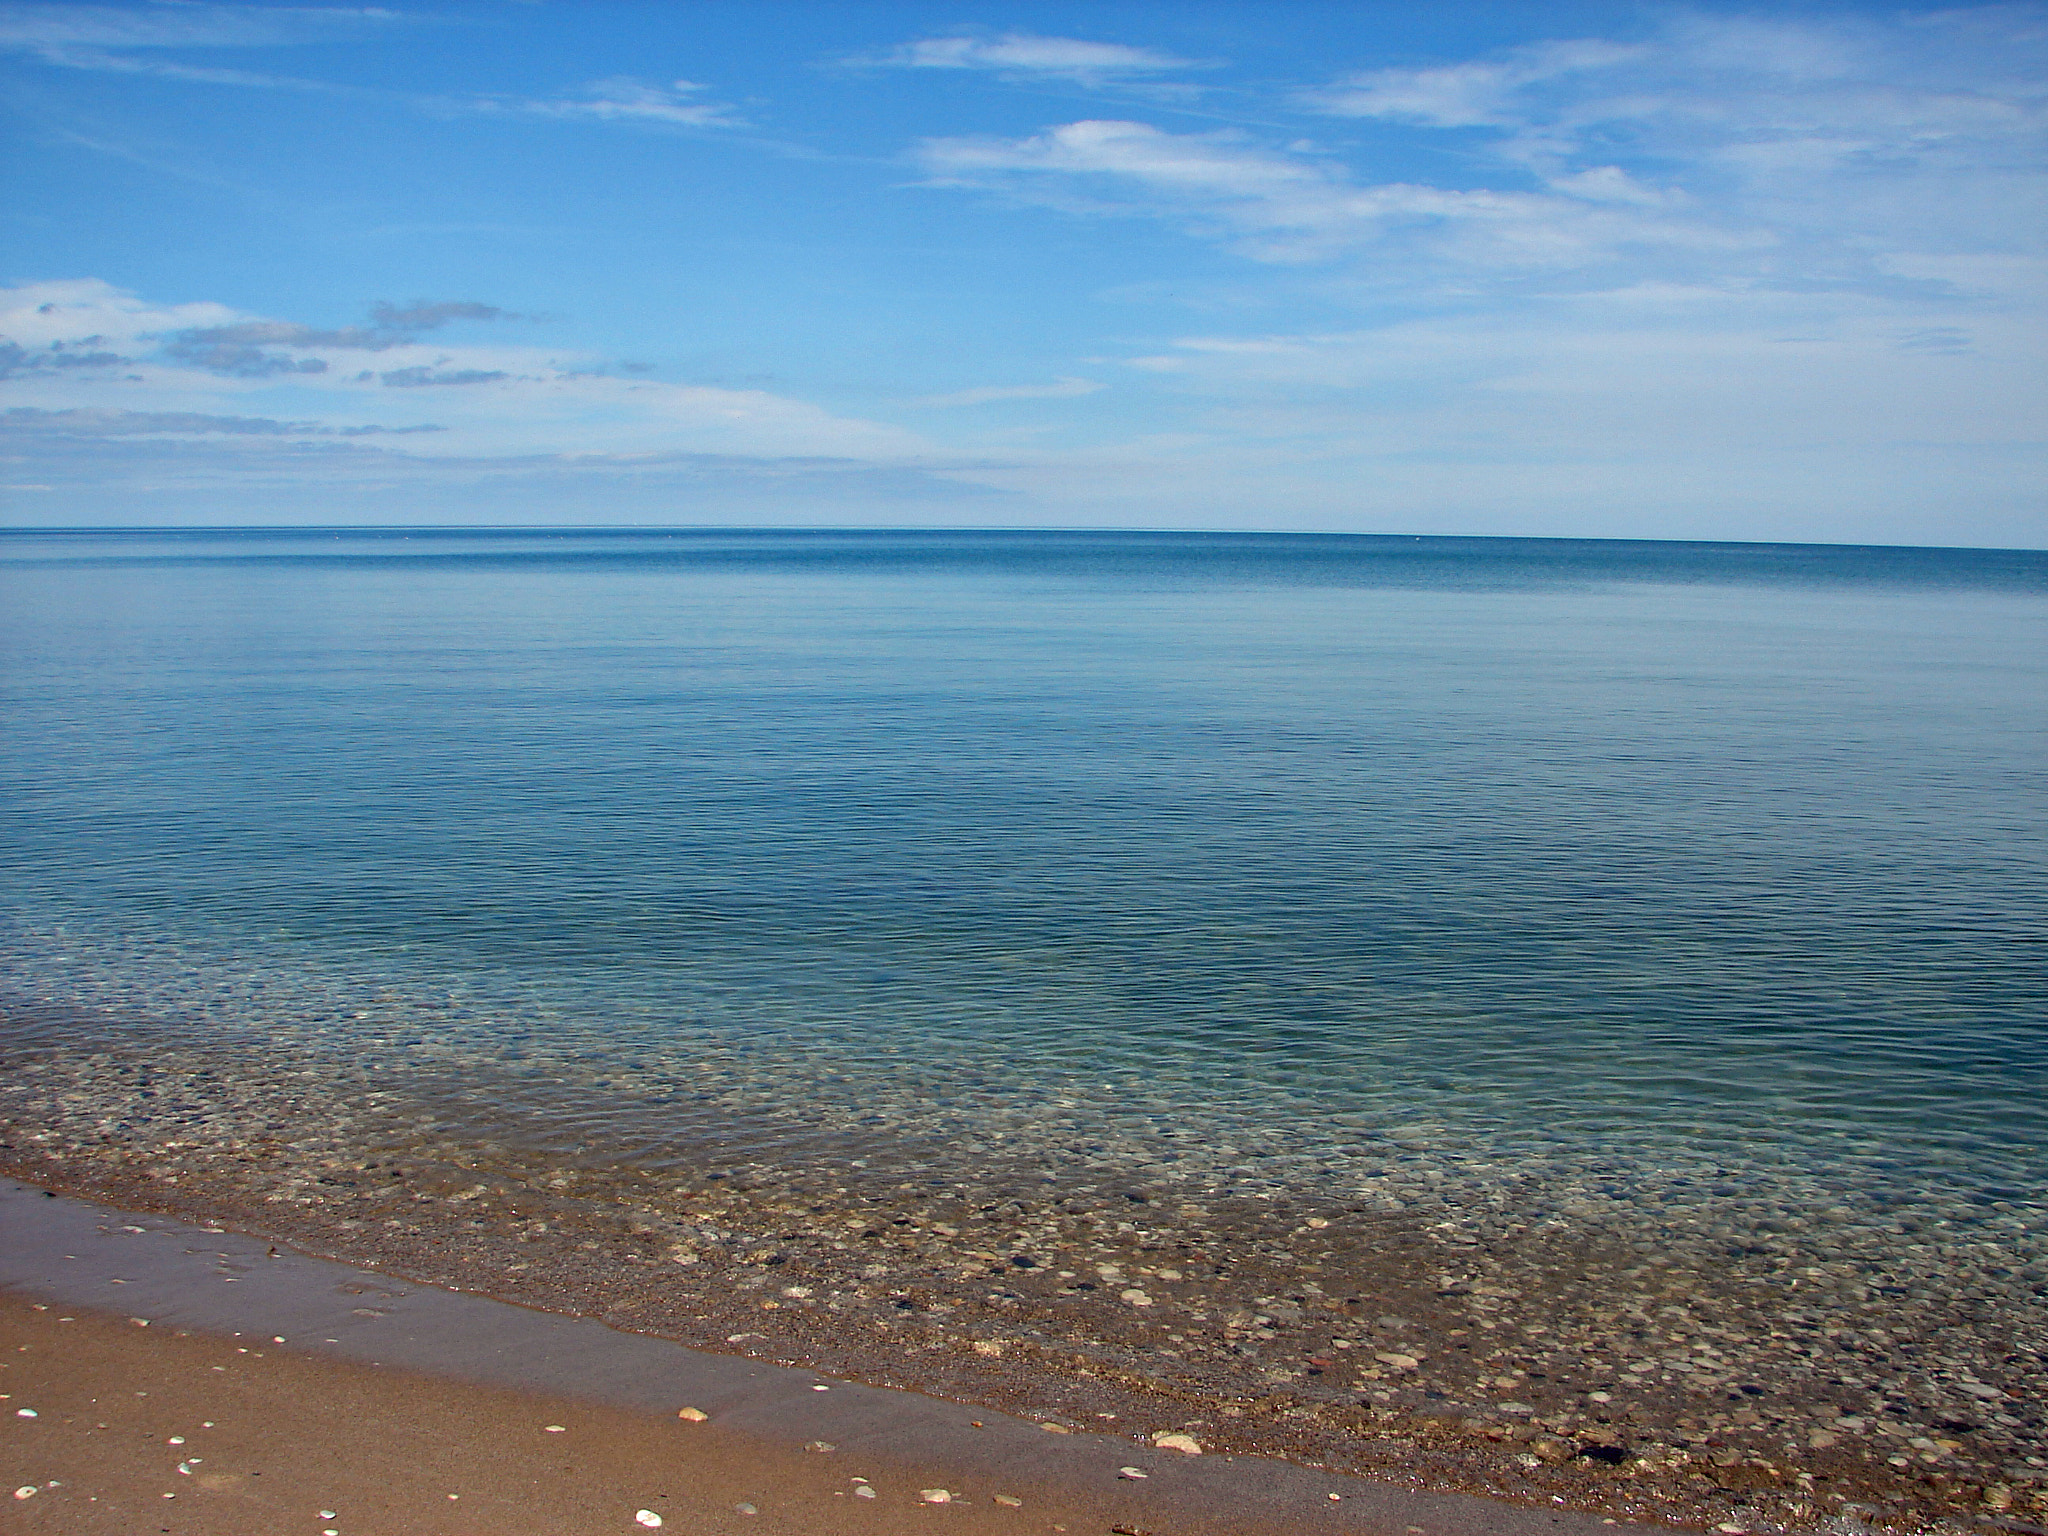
[1550, 919]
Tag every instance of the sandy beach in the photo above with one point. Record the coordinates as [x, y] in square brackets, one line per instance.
[392, 1407]
[796, 1306]
[1561, 1371]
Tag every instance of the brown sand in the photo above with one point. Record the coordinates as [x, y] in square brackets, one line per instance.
[270, 1435]
[140, 1431]
[1639, 1365]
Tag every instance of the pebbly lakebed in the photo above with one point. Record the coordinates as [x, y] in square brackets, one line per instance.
[1545, 1018]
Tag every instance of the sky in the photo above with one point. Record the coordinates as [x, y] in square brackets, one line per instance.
[1588, 270]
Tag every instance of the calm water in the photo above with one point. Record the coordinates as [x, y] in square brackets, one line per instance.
[1239, 853]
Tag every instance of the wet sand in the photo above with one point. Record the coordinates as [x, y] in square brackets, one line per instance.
[1644, 1366]
[383, 1406]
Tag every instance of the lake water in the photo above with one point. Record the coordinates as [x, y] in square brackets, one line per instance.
[1666, 852]
[1622, 961]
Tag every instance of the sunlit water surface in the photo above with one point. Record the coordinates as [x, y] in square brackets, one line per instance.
[1240, 859]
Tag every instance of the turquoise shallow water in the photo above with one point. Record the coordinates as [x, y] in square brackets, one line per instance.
[1238, 857]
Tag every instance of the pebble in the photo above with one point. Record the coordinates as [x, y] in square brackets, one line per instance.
[935, 1495]
[647, 1517]
[864, 1492]
[692, 1415]
[1009, 1501]
[25, 1491]
[1187, 1445]
[1568, 1330]
[1134, 1474]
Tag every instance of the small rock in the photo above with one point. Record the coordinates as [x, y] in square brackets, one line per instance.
[1056, 1429]
[1009, 1501]
[1137, 1298]
[863, 1492]
[985, 1347]
[24, 1413]
[1399, 1362]
[647, 1517]
[25, 1491]
[692, 1415]
[557, 1429]
[1133, 1474]
[934, 1496]
[1187, 1445]
[821, 1446]
[746, 1509]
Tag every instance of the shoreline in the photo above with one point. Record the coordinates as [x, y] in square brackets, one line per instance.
[463, 1377]
[1559, 1366]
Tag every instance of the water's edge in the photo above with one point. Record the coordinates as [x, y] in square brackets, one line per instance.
[1456, 1351]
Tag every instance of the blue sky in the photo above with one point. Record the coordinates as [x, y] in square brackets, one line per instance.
[1591, 270]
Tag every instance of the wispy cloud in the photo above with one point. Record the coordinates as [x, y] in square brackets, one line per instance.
[95, 422]
[197, 363]
[1284, 204]
[183, 25]
[414, 378]
[57, 357]
[1060, 389]
[1476, 93]
[1795, 150]
[623, 99]
[1020, 53]
[109, 40]
[254, 349]
[118, 40]
[233, 477]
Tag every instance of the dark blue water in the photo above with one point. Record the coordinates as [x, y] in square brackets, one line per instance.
[1238, 853]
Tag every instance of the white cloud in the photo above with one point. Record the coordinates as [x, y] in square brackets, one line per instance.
[1807, 151]
[1465, 95]
[1795, 119]
[627, 100]
[51, 27]
[1022, 54]
[1061, 389]
[114, 41]
[1289, 205]
[206, 360]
